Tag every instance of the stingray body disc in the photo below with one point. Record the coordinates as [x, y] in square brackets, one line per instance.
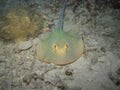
[60, 48]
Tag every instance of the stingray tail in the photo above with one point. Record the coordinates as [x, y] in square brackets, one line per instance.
[61, 20]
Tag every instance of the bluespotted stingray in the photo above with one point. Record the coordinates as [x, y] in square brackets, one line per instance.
[59, 47]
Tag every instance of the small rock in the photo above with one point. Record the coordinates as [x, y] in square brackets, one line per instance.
[24, 45]
[27, 79]
[69, 72]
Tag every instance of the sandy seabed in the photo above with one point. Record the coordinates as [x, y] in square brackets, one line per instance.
[97, 69]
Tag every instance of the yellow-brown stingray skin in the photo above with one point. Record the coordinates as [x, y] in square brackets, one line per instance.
[59, 48]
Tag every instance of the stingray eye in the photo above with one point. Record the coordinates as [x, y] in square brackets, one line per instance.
[66, 46]
[55, 46]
